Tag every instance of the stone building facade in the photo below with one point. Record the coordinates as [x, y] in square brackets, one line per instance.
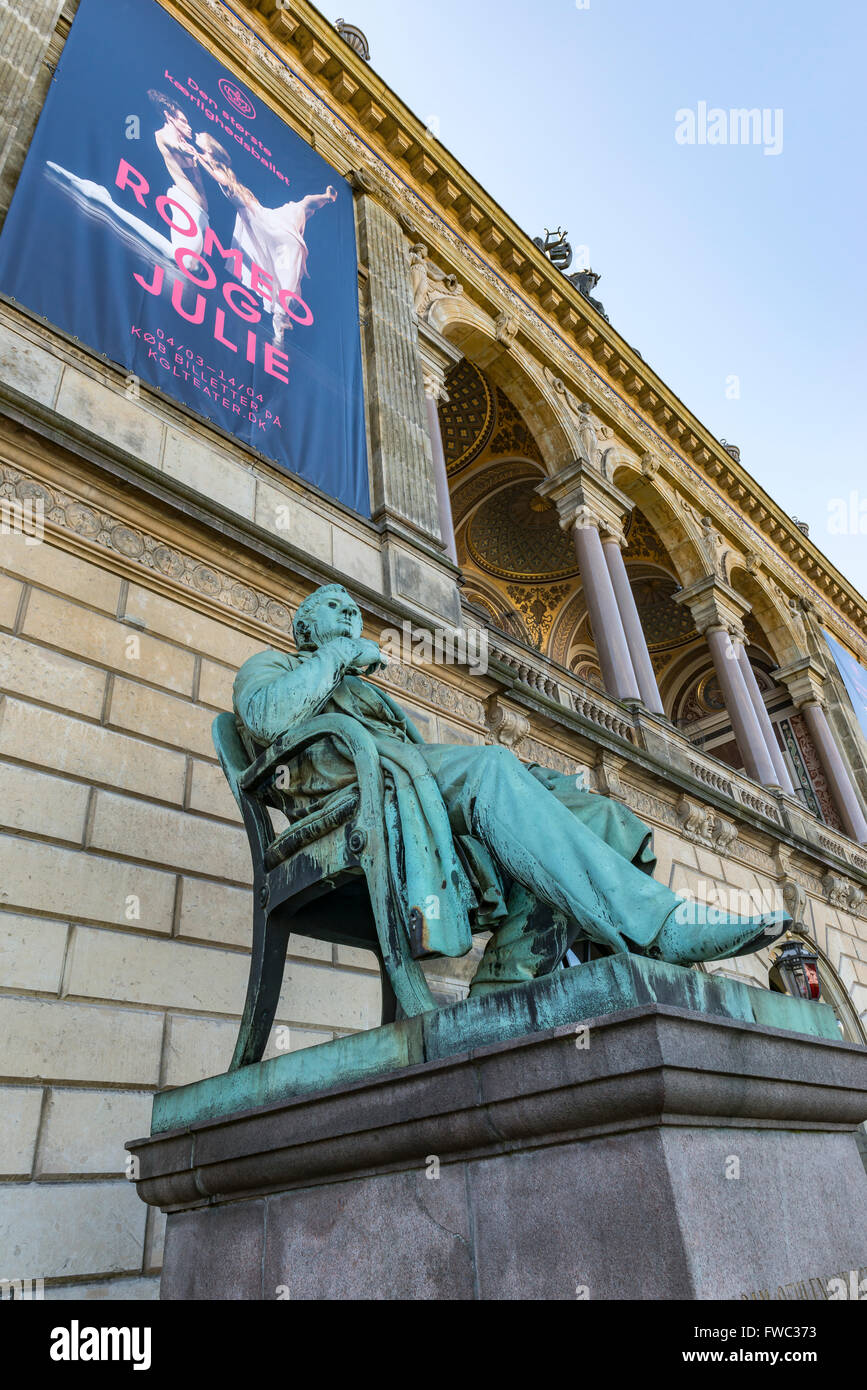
[654, 622]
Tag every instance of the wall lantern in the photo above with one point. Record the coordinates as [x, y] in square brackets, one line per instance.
[795, 970]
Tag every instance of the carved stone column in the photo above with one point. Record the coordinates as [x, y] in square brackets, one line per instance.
[765, 725]
[587, 503]
[805, 681]
[437, 356]
[717, 611]
[612, 545]
[842, 719]
[26, 29]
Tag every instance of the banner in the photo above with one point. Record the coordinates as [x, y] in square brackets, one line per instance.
[854, 677]
[167, 219]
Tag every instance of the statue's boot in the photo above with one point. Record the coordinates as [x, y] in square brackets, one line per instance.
[695, 931]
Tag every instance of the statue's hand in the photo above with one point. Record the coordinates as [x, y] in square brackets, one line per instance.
[368, 657]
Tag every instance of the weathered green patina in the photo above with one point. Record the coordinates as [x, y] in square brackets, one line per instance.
[566, 998]
[449, 839]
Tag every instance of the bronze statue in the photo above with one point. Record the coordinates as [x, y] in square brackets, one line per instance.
[561, 862]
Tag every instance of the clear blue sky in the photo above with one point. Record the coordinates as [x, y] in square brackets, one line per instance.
[717, 261]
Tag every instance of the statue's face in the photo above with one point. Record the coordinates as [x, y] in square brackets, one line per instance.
[333, 615]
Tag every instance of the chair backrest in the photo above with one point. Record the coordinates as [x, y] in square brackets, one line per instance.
[231, 752]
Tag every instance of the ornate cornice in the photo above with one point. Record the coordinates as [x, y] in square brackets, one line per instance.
[305, 65]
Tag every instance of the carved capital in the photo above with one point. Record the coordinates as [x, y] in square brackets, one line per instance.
[434, 385]
[804, 681]
[506, 725]
[584, 498]
[713, 603]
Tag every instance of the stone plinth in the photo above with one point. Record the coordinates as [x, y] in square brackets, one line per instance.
[661, 1154]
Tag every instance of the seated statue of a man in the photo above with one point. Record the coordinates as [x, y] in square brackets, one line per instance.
[571, 863]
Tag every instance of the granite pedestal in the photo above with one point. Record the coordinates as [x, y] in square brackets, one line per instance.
[651, 1151]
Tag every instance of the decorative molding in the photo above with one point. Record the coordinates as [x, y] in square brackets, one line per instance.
[419, 683]
[705, 826]
[843, 894]
[140, 547]
[506, 725]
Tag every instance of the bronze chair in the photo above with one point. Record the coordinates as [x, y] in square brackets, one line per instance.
[326, 876]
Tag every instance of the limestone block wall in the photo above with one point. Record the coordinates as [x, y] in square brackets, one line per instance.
[734, 877]
[28, 42]
[124, 906]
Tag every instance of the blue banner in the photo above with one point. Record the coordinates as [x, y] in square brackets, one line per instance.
[167, 219]
[854, 677]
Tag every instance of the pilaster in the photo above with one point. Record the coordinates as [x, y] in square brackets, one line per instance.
[26, 29]
[403, 481]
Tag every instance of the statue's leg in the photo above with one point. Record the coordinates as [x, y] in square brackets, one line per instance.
[609, 819]
[533, 938]
[530, 941]
[541, 844]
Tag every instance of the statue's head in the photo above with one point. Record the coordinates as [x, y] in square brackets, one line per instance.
[328, 612]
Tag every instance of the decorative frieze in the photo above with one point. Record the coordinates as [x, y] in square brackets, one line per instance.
[530, 750]
[705, 826]
[135, 544]
[843, 893]
[422, 685]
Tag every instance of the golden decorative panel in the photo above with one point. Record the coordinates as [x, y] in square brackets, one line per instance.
[467, 417]
[516, 534]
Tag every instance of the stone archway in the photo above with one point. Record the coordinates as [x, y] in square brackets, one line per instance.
[489, 346]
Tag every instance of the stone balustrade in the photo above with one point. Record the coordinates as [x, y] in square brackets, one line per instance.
[781, 812]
